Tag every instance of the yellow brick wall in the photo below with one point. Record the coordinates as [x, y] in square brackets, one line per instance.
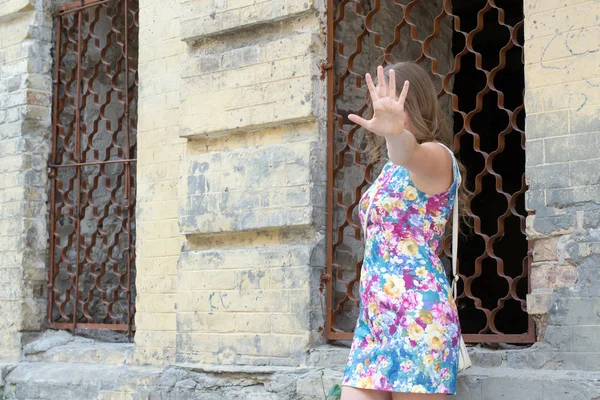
[253, 85]
[11, 35]
[246, 182]
[25, 94]
[246, 299]
[160, 150]
[252, 192]
[562, 101]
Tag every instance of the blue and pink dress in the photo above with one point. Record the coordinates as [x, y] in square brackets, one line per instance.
[407, 335]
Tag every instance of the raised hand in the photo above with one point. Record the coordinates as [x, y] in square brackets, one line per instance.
[388, 110]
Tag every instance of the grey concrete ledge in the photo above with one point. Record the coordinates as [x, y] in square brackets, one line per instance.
[197, 24]
[200, 134]
[42, 380]
[11, 8]
[533, 357]
[62, 347]
[78, 373]
[241, 369]
[541, 374]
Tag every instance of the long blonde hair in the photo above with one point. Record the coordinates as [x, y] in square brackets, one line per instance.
[427, 120]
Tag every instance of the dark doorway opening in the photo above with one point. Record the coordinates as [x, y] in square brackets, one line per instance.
[499, 275]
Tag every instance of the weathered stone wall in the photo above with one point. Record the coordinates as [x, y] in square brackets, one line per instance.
[563, 142]
[25, 135]
[25, 96]
[232, 278]
[160, 150]
[253, 182]
[104, 371]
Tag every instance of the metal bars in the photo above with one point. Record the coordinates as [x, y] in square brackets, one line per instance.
[92, 167]
[474, 51]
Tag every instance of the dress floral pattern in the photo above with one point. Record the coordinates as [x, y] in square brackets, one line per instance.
[407, 333]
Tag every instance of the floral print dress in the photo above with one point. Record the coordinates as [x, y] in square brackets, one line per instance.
[407, 335]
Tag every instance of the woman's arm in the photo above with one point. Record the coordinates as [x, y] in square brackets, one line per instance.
[430, 165]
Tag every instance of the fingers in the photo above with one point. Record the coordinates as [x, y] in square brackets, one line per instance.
[371, 86]
[381, 87]
[358, 120]
[403, 94]
[392, 92]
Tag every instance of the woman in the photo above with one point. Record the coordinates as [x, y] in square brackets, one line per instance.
[406, 340]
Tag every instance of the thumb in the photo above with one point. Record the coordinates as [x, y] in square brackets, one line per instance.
[359, 120]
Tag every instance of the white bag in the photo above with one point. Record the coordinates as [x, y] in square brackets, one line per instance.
[464, 361]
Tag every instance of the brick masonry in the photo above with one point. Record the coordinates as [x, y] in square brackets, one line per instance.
[25, 97]
[230, 209]
[246, 306]
[563, 139]
[256, 81]
[160, 152]
[266, 186]
[253, 181]
[255, 169]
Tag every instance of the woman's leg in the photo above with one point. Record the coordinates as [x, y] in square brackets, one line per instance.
[415, 396]
[352, 393]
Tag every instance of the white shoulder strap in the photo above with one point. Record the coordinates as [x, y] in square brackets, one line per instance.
[454, 225]
[455, 244]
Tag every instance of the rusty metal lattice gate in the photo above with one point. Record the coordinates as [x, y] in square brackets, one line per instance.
[92, 167]
[474, 51]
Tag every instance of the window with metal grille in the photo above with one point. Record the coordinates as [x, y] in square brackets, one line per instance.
[474, 52]
[92, 167]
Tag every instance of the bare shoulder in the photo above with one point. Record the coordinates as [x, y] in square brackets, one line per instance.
[437, 149]
[431, 169]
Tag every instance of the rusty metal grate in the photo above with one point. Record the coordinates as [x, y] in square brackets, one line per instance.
[92, 167]
[474, 50]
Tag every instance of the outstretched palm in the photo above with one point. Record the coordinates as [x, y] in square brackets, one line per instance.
[388, 109]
